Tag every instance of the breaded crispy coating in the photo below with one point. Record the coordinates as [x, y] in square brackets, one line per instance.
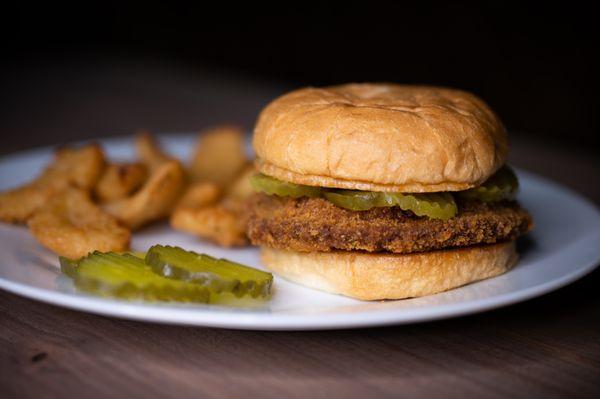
[221, 223]
[119, 180]
[315, 224]
[205, 212]
[155, 199]
[149, 151]
[71, 167]
[71, 225]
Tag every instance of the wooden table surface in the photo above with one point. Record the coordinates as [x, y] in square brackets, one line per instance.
[547, 347]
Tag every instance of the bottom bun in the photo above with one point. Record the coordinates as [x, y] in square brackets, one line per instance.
[374, 276]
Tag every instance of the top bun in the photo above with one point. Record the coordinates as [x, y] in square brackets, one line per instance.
[380, 137]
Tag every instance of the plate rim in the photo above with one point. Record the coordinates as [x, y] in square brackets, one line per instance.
[246, 319]
[264, 320]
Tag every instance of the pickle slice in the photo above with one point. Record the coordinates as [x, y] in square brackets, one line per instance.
[432, 205]
[502, 185]
[272, 186]
[138, 254]
[128, 277]
[354, 200]
[67, 266]
[220, 275]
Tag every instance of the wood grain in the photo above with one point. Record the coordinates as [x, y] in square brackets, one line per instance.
[548, 347]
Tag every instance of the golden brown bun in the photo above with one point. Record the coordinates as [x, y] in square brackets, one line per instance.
[380, 137]
[374, 276]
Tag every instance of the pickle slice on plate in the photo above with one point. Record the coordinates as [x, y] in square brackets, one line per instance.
[502, 185]
[67, 266]
[137, 254]
[220, 275]
[126, 276]
[432, 205]
[272, 186]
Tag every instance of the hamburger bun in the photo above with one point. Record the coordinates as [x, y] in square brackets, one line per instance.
[376, 276]
[380, 137]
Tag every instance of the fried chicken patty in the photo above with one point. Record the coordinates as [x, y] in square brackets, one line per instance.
[315, 224]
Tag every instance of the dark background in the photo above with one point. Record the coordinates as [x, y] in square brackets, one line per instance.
[105, 68]
[95, 69]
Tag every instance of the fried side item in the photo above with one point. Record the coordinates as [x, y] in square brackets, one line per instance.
[219, 156]
[17, 205]
[198, 195]
[223, 222]
[71, 225]
[120, 180]
[218, 223]
[149, 151]
[155, 200]
[79, 167]
[240, 188]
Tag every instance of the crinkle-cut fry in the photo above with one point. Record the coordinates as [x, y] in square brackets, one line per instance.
[220, 155]
[120, 180]
[149, 151]
[198, 195]
[71, 225]
[80, 167]
[155, 200]
[216, 223]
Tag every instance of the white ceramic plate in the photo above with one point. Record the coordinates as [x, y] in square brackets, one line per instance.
[563, 247]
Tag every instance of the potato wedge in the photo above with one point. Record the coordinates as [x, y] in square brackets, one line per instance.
[219, 156]
[79, 167]
[149, 151]
[71, 225]
[120, 180]
[155, 200]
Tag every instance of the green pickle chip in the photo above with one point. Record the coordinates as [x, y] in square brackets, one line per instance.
[354, 200]
[68, 266]
[433, 205]
[502, 185]
[219, 275]
[169, 274]
[436, 205]
[272, 186]
[128, 277]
